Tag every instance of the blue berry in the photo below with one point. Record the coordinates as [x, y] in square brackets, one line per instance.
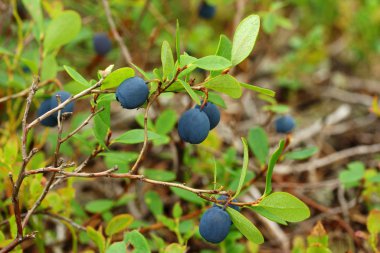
[215, 225]
[64, 95]
[193, 126]
[206, 11]
[284, 124]
[223, 197]
[45, 106]
[212, 112]
[132, 93]
[102, 44]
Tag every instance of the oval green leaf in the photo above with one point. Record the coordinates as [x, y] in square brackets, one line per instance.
[225, 84]
[116, 77]
[118, 223]
[212, 62]
[136, 136]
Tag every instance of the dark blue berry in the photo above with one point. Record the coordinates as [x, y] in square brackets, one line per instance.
[206, 11]
[132, 93]
[102, 44]
[45, 106]
[284, 124]
[214, 225]
[64, 95]
[193, 126]
[212, 112]
[223, 197]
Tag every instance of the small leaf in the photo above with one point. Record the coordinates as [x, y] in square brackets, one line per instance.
[243, 172]
[214, 98]
[267, 214]
[285, 206]
[352, 175]
[115, 78]
[117, 247]
[35, 10]
[138, 241]
[136, 136]
[258, 89]
[102, 121]
[301, 154]
[160, 175]
[76, 76]
[259, 144]
[188, 196]
[373, 227]
[224, 50]
[271, 164]
[244, 38]
[177, 43]
[190, 91]
[61, 30]
[167, 60]
[97, 237]
[175, 248]
[277, 108]
[177, 210]
[212, 62]
[99, 206]
[245, 226]
[118, 223]
[166, 122]
[154, 203]
[142, 72]
[225, 84]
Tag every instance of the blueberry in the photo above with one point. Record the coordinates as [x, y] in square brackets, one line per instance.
[132, 93]
[215, 225]
[64, 95]
[102, 44]
[284, 124]
[193, 126]
[223, 197]
[25, 69]
[206, 11]
[50, 121]
[212, 112]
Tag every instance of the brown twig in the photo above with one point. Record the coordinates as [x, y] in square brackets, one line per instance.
[18, 241]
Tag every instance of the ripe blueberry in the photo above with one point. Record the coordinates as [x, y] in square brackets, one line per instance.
[193, 126]
[214, 225]
[64, 95]
[284, 124]
[132, 93]
[212, 112]
[223, 197]
[206, 11]
[50, 121]
[102, 44]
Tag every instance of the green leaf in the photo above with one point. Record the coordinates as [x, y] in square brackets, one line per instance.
[49, 67]
[259, 144]
[76, 76]
[244, 38]
[118, 223]
[244, 168]
[373, 227]
[167, 60]
[212, 62]
[175, 248]
[166, 122]
[116, 77]
[61, 30]
[177, 43]
[160, 175]
[271, 164]
[138, 241]
[34, 9]
[117, 247]
[277, 108]
[188, 196]
[97, 237]
[142, 72]
[136, 136]
[285, 206]
[267, 214]
[154, 202]
[225, 84]
[301, 154]
[177, 210]
[224, 50]
[190, 91]
[352, 175]
[99, 206]
[258, 89]
[102, 121]
[245, 226]
[214, 98]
